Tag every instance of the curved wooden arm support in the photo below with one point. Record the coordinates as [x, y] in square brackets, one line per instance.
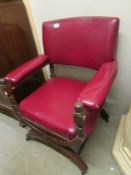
[79, 118]
[7, 91]
[52, 71]
[3, 85]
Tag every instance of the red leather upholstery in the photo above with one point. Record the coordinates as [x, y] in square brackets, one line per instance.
[97, 89]
[52, 105]
[22, 71]
[83, 41]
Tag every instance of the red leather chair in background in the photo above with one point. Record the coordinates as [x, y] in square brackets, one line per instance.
[63, 112]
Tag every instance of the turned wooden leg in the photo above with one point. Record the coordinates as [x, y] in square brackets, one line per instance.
[69, 153]
[105, 115]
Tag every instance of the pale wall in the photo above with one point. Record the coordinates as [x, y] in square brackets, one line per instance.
[43, 10]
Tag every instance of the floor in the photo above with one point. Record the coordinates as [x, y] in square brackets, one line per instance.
[19, 157]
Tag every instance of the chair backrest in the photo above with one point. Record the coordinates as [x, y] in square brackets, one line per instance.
[81, 41]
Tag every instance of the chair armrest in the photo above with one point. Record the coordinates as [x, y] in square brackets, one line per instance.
[95, 92]
[25, 69]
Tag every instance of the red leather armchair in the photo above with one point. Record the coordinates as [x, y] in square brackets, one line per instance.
[62, 112]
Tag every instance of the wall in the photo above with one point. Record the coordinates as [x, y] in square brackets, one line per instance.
[43, 10]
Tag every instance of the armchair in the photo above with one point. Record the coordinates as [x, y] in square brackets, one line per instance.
[62, 113]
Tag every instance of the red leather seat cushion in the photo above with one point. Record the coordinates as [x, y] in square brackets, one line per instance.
[52, 105]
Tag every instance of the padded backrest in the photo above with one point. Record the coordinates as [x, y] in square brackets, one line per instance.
[81, 41]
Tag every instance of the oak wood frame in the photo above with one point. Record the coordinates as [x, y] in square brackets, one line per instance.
[69, 148]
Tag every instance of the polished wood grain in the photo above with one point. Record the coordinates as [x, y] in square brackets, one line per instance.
[16, 47]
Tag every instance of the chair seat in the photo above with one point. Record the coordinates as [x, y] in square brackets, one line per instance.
[52, 106]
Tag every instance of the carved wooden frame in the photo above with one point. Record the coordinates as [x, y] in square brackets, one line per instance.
[50, 138]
